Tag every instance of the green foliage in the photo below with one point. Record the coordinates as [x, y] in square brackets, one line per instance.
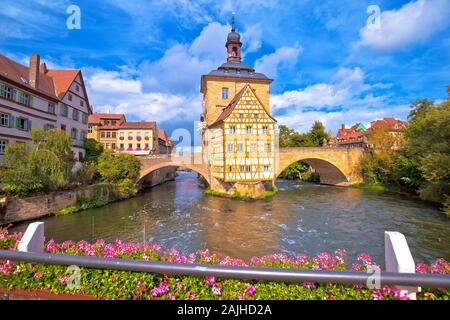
[295, 171]
[93, 150]
[114, 168]
[87, 173]
[97, 200]
[240, 196]
[419, 162]
[126, 188]
[428, 149]
[45, 166]
[317, 134]
[314, 138]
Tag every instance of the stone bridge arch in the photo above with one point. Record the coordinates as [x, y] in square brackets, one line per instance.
[152, 163]
[336, 166]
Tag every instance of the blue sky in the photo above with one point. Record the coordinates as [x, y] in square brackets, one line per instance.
[145, 58]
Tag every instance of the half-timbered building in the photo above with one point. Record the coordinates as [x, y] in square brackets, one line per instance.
[238, 129]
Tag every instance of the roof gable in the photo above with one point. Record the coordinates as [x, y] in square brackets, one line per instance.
[245, 99]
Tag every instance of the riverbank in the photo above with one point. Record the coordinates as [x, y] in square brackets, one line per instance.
[112, 284]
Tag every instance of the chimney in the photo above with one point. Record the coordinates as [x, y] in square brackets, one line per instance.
[343, 126]
[44, 69]
[33, 76]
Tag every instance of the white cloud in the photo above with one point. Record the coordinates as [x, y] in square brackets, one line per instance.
[412, 23]
[251, 38]
[282, 58]
[120, 92]
[345, 87]
[165, 89]
[346, 99]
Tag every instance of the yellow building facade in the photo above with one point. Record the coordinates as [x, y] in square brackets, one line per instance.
[138, 138]
[238, 129]
[119, 135]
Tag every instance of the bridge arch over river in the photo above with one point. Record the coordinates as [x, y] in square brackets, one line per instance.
[336, 166]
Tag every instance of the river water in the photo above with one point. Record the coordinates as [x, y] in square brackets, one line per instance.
[302, 218]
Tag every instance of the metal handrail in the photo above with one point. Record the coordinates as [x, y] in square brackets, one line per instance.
[268, 274]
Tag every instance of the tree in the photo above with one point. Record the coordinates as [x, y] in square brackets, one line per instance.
[419, 108]
[93, 150]
[314, 138]
[379, 165]
[114, 168]
[285, 136]
[428, 147]
[56, 144]
[44, 166]
[317, 134]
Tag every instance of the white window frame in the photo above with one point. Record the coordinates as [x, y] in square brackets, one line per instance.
[5, 119]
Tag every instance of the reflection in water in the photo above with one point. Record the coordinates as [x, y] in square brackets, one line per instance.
[303, 217]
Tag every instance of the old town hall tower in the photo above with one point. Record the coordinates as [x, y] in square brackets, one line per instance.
[238, 130]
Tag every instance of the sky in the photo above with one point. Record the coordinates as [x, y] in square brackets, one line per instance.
[334, 61]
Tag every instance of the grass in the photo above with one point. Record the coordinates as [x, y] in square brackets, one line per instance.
[239, 196]
[377, 187]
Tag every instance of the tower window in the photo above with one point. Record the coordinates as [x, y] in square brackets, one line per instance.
[234, 53]
[224, 93]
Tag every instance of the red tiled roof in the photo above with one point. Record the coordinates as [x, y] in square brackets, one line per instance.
[138, 125]
[96, 118]
[391, 123]
[350, 135]
[63, 79]
[20, 74]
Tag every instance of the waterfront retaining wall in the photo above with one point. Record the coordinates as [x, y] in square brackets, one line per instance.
[21, 209]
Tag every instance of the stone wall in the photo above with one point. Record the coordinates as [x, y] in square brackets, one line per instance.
[21, 209]
[158, 177]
